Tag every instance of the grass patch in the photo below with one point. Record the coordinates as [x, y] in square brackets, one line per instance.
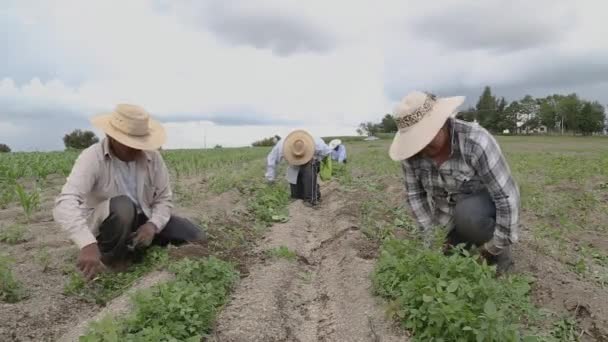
[11, 290]
[109, 285]
[180, 310]
[13, 234]
[282, 252]
[455, 298]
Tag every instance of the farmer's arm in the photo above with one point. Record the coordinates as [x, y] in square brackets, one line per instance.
[417, 198]
[70, 210]
[494, 171]
[162, 203]
[273, 159]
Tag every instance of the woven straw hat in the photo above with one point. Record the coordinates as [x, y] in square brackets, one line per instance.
[335, 143]
[419, 117]
[132, 126]
[298, 147]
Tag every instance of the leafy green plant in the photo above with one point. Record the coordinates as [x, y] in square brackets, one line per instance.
[450, 298]
[30, 201]
[11, 290]
[269, 204]
[13, 234]
[180, 310]
[109, 285]
[282, 252]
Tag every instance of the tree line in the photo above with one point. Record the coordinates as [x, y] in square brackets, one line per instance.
[554, 113]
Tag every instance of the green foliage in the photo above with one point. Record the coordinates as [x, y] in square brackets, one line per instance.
[180, 310]
[13, 234]
[386, 125]
[109, 285]
[4, 148]
[11, 290]
[269, 203]
[282, 252]
[449, 298]
[30, 201]
[79, 139]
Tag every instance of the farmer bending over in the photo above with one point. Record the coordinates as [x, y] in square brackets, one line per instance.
[303, 154]
[338, 152]
[117, 198]
[456, 176]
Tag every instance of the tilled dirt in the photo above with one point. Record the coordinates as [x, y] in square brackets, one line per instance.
[323, 295]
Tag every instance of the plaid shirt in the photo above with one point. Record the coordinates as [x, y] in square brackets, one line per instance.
[476, 163]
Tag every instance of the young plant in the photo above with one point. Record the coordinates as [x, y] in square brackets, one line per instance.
[11, 290]
[29, 201]
[282, 253]
[43, 258]
[13, 234]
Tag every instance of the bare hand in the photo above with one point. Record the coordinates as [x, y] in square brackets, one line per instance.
[144, 235]
[89, 261]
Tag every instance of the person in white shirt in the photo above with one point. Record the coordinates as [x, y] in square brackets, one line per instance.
[338, 151]
[303, 153]
[117, 199]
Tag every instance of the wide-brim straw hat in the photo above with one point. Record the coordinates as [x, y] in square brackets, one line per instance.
[298, 147]
[419, 117]
[132, 126]
[335, 143]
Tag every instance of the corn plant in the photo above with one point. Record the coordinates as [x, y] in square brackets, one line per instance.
[30, 201]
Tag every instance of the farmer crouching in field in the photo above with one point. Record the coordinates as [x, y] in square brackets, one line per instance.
[338, 151]
[456, 176]
[117, 199]
[303, 154]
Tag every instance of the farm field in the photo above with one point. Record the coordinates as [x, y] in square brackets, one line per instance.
[350, 270]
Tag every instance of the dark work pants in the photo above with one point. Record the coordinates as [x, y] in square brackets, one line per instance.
[307, 188]
[474, 224]
[115, 231]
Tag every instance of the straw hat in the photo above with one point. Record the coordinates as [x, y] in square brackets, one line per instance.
[419, 117]
[298, 147]
[132, 126]
[335, 143]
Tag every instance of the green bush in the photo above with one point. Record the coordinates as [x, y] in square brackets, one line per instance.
[180, 310]
[450, 298]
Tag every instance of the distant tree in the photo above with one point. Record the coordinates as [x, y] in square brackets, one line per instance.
[388, 124]
[591, 118]
[528, 113]
[486, 109]
[368, 128]
[217, 146]
[4, 148]
[508, 118]
[271, 141]
[79, 139]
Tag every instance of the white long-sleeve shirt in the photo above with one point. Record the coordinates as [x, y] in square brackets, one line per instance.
[276, 155]
[339, 154]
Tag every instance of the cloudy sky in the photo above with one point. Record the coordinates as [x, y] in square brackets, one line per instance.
[229, 72]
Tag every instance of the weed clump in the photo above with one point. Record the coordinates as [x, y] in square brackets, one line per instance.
[450, 298]
[183, 309]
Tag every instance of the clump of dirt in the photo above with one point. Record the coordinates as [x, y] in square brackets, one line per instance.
[191, 250]
[322, 295]
[560, 290]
